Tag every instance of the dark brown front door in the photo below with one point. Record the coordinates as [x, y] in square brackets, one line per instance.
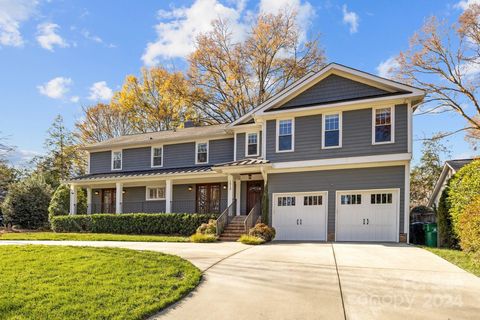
[254, 193]
[108, 200]
[208, 198]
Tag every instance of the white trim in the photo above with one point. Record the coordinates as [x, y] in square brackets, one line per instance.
[147, 193]
[246, 144]
[439, 183]
[392, 124]
[311, 78]
[397, 214]
[121, 159]
[264, 139]
[277, 136]
[406, 203]
[119, 198]
[325, 201]
[238, 194]
[168, 195]
[151, 156]
[88, 162]
[340, 129]
[235, 147]
[196, 151]
[343, 161]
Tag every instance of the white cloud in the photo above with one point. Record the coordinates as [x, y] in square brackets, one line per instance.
[465, 4]
[75, 99]
[350, 18]
[180, 26]
[87, 35]
[470, 69]
[21, 157]
[12, 14]
[385, 68]
[56, 88]
[48, 37]
[100, 91]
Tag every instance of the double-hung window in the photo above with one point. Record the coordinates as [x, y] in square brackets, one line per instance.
[155, 193]
[285, 135]
[201, 152]
[117, 160]
[332, 130]
[252, 144]
[157, 156]
[383, 128]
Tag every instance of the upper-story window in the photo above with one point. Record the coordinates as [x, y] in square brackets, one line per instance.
[332, 130]
[252, 144]
[201, 152]
[383, 125]
[157, 156]
[117, 160]
[285, 135]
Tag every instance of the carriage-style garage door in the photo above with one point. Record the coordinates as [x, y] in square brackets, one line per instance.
[300, 216]
[367, 215]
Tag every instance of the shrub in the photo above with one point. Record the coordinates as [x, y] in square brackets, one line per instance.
[201, 238]
[60, 203]
[469, 227]
[132, 223]
[26, 204]
[261, 230]
[248, 239]
[464, 187]
[208, 228]
[446, 235]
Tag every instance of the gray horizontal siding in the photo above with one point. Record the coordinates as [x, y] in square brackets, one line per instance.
[174, 156]
[356, 140]
[241, 146]
[335, 180]
[333, 88]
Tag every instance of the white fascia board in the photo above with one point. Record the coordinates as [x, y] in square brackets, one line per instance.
[439, 183]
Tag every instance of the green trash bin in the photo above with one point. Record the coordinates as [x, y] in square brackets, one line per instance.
[430, 234]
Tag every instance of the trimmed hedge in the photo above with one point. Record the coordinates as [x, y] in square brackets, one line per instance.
[132, 223]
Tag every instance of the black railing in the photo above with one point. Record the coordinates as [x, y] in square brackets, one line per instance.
[253, 216]
[227, 215]
[177, 206]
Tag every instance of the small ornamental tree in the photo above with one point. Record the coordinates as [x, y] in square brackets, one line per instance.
[464, 187]
[26, 204]
[60, 203]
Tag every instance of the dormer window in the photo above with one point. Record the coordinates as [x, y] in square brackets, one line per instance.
[383, 125]
[157, 157]
[201, 152]
[117, 160]
[251, 144]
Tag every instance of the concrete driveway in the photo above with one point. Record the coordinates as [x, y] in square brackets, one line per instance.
[316, 281]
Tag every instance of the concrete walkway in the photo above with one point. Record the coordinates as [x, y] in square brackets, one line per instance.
[316, 281]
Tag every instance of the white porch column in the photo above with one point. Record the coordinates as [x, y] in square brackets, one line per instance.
[238, 194]
[168, 195]
[119, 197]
[89, 200]
[230, 189]
[73, 199]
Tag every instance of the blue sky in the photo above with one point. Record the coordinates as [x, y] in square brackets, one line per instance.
[59, 55]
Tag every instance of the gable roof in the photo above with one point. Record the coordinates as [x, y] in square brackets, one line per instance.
[191, 133]
[384, 88]
[458, 164]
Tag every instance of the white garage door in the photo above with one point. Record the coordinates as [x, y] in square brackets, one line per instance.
[367, 215]
[300, 216]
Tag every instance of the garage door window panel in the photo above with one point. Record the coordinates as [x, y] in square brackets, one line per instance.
[348, 199]
[312, 200]
[286, 201]
[381, 198]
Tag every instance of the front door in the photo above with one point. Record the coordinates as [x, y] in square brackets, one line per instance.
[208, 198]
[108, 200]
[254, 194]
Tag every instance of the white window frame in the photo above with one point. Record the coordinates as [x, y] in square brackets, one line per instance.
[151, 156]
[340, 129]
[121, 159]
[196, 151]
[147, 193]
[278, 135]
[246, 143]
[392, 124]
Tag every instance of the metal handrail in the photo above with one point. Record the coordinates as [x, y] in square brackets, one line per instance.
[252, 217]
[227, 215]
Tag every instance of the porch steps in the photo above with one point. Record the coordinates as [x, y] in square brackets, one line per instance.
[234, 229]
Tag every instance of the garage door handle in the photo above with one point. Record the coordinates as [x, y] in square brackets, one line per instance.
[363, 221]
[297, 222]
[367, 221]
[300, 221]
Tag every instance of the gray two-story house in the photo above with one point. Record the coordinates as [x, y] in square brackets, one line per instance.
[332, 150]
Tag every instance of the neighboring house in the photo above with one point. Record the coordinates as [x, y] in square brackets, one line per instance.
[333, 150]
[449, 169]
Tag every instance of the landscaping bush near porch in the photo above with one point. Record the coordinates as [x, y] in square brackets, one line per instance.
[134, 223]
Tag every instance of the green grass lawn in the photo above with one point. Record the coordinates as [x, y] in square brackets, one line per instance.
[49, 282]
[88, 237]
[464, 260]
